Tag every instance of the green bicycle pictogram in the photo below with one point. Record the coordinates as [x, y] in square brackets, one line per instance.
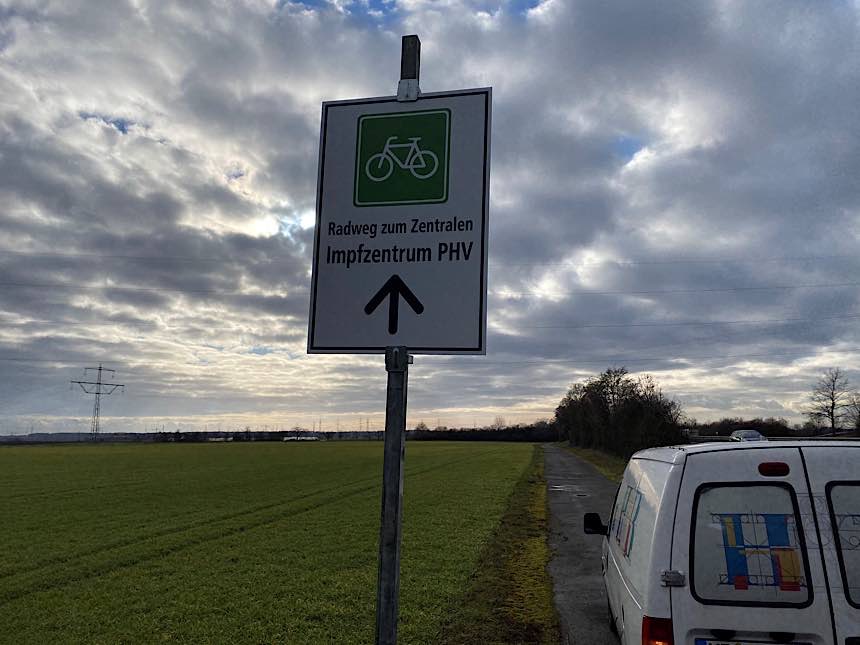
[402, 158]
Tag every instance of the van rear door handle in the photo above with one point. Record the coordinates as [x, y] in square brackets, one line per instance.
[672, 578]
[852, 640]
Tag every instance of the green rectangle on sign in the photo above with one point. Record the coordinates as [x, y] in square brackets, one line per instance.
[402, 158]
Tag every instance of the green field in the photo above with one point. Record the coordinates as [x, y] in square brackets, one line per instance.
[241, 543]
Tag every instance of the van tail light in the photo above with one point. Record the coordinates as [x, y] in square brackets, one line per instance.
[774, 469]
[657, 631]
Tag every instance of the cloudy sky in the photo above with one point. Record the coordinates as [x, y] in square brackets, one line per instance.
[674, 189]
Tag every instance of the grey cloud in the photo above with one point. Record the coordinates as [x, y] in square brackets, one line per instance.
[159, 149]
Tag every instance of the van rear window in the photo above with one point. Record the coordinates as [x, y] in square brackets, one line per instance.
[844, 501]
[746, 547]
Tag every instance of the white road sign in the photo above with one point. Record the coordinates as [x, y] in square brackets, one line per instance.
[400, 250]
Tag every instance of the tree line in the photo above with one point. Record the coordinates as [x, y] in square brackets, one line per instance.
[498, 431]
[619, 414]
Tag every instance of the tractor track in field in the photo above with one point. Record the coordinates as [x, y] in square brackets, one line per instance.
[98, 569]
[104, 568]
[153, 535]
[201, 523]
[71, 492]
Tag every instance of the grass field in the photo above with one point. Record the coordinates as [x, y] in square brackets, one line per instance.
[610, 466]
[244, 543]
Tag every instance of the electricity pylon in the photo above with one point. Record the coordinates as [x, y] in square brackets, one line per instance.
[98, 388]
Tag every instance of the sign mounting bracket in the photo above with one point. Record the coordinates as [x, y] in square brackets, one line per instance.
[410, 64]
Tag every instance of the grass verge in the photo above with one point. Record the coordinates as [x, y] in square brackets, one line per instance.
[509, 598]
[610, 466]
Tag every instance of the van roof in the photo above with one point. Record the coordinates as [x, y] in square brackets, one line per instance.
[677, 454]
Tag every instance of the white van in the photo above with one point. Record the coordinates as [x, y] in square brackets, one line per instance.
[736, 543]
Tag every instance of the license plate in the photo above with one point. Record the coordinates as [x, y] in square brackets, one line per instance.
[710, 641]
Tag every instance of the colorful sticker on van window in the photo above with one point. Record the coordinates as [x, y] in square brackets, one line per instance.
[746, 546]
[625, 528]
[760, 550]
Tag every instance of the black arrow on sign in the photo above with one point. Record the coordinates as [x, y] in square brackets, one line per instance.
[394, 287]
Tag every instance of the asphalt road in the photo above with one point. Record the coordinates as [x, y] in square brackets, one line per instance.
[574, 488]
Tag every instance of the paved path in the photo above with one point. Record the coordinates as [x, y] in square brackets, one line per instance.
[575, 488]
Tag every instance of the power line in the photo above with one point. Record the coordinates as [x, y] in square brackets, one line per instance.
[562, 360]
[585, 325]
[621, 359]
[691, 323]
[504, 263]
[111, 287]
[112, 256]
[572, 361]
[585, 292]
[620, 262]
[17, 359]
[98, 388]
[497, 293]
[283, 320]
[686, 343]
[94, 323]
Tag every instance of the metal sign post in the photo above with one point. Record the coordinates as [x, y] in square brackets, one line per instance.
[397, 361]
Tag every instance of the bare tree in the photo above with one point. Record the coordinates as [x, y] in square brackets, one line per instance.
[853, 414]
[499, 423]
[830, 399]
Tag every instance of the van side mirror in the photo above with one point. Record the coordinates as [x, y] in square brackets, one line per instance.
[593, 525]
